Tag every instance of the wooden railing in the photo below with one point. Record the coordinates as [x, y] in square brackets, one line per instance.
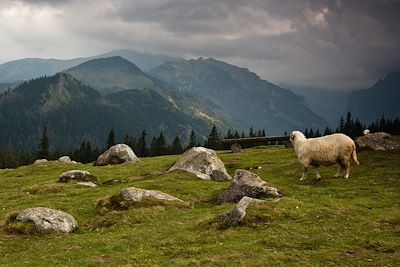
[256, 141]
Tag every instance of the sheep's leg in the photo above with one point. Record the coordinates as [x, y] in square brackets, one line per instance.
[347, 170]
[303, 177]
[339, 171]
[318, 176]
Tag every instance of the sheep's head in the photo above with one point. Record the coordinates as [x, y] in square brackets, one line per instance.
[296, 136]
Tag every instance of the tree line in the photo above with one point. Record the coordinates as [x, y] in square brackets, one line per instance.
[85, 153]
[353, 127]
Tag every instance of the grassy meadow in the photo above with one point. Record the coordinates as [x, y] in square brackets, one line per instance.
[332, 222]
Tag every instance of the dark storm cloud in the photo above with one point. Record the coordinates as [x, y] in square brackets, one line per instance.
[327, 44]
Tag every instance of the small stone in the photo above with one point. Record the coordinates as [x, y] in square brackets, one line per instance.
[65, 159]
[76, 175]
[40, 161]
[134, 194]
[88, 184]
[236, 148]
[237, 215]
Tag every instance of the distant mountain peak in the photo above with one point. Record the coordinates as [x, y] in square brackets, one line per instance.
[241, 94]
[115, 63]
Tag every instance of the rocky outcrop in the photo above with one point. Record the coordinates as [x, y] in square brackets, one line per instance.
[133, 194]
[202, 162]
[238, 214]
[76, 175]
[49, 220]
[117, 154]
[379, 141]
[249, 184]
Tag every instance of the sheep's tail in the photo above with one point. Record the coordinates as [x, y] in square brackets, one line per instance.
[354, 156]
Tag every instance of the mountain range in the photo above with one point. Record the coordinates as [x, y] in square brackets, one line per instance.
[29, 68]
[382, 98]
[74, 112]
[92, 95]
[241, 94]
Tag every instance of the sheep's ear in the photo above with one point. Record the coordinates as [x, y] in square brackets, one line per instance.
[291, 137]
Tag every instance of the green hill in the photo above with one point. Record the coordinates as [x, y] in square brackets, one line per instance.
[111, 74]
[74, 112]
[328, 223]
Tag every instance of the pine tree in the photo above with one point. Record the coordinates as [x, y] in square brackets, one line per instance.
[141, 146]
[213, 140]
[251, 132]
[43, 152]
[263, 133]
[110, 139]
[311, 133]
[176, 147]
[341, 129]
[152, 149]
[192, 140]
[327, 131]
[229, 135]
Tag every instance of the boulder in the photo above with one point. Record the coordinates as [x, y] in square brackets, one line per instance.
[236, 148]
[49, 220]
[249, 184]
[236, 216]
[117, 154]
[376, 141]
[65, 159]
[76, 175]
[202, 162]
[133, 194]
[40, 161]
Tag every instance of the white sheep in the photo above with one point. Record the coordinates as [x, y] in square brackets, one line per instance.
[324, 151]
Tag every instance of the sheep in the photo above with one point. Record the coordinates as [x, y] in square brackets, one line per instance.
[324, 151]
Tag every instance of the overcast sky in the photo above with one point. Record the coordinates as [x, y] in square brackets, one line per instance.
[331, 44]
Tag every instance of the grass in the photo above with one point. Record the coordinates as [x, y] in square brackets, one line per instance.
[332, 222]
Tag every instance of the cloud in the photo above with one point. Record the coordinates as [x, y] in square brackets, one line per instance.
[327, 44]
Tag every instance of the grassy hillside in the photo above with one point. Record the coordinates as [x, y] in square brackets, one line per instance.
[329, 223]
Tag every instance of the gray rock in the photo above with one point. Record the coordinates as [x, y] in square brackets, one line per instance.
[246, 183]
[236, 148]
[133, 194]
[117, 154]
[76, 175]
[65, 159]
[237, 215]
[49, 220]
[87, 184]
[40, 161]
[202, 162]
[379, 141]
